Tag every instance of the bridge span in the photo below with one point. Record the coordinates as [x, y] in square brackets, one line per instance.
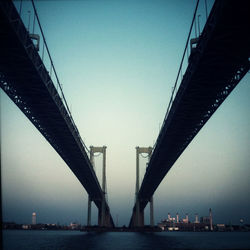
[25, 79]
[217, 64]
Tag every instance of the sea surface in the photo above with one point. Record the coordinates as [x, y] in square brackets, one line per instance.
[31, 240]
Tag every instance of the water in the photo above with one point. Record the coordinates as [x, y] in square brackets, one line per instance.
[61, 240]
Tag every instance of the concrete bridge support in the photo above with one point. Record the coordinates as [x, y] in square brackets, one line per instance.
[104, 218]
[152, 223]
[137, 219]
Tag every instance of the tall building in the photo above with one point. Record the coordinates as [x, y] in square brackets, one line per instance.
[186, 219]
[34, 218]
[169, 217]
[196, 218]
[210, 219]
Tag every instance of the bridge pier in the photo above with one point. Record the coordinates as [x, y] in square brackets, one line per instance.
[139, 216]
[137, 219]
[152, 223]
[104, 218]
[99, 217]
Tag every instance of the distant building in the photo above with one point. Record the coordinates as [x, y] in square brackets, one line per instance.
[25, 226]
[161, 225]
[34, 218]
[178, 224]
[196, 218]
[205, 220]
[170, 219]
[210, 219]
[186, 219]
[74, 226]
[221, 227]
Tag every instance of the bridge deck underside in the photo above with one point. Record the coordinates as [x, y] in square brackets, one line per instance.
[215, 68]
[26, 81]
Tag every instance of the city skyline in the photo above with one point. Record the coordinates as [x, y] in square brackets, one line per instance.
[176, 218]
[117, 63]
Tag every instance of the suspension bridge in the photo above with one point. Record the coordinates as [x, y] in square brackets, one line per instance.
[223, 44]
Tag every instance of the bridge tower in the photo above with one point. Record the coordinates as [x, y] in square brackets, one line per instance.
[103, 216]
[138, 220]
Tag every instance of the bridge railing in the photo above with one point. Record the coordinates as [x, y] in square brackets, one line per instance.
[29, 15]
[198, 22]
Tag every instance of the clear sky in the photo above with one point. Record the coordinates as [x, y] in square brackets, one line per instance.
[117, 62]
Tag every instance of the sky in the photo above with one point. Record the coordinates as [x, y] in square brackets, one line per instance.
[117, 62]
